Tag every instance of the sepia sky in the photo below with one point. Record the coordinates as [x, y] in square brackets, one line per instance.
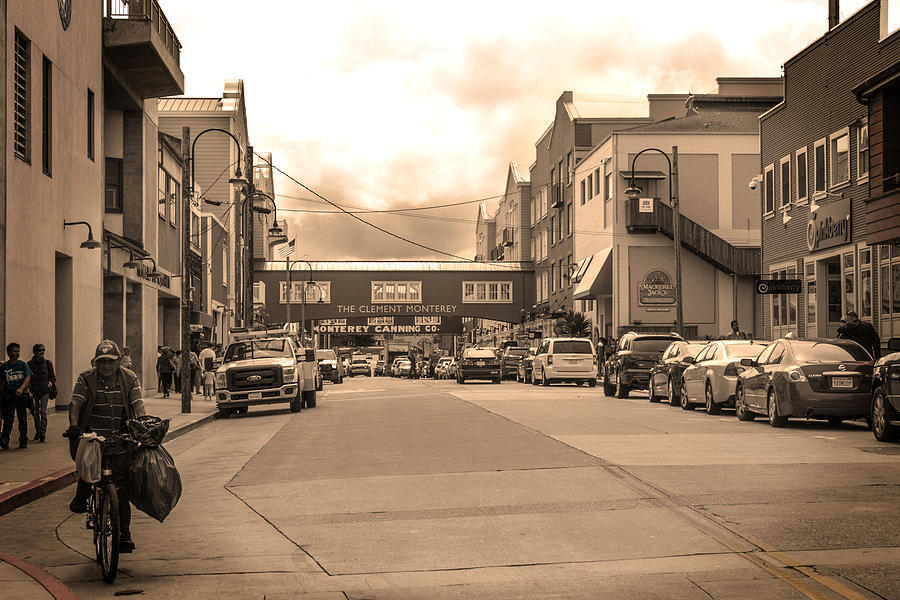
[384, 105]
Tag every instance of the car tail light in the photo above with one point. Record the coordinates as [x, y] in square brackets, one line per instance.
[796, 375]
[734, 369]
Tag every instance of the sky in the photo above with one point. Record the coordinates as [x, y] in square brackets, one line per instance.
[386, 105]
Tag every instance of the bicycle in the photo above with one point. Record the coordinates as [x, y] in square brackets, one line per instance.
[103, 508]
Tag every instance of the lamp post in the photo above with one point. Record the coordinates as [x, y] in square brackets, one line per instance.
[634, 193]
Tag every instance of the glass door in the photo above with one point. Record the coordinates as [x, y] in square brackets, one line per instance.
[834, 307]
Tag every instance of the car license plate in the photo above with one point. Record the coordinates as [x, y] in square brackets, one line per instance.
[842, 382]
[255, 396]
[480, 363]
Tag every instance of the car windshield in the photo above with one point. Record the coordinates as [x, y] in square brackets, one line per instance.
[360, 360]
[325, 355]
[650, 344]
[572, 347]
[248, 349]
[828, 351]
[744, 350]
[479, 353]
[516, 351]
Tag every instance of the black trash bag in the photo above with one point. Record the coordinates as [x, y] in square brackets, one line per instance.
[154, 483]
[147, 430]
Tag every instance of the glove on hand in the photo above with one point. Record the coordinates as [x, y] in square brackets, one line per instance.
[73, 432]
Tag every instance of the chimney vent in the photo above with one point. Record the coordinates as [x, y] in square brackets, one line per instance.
[834, 14]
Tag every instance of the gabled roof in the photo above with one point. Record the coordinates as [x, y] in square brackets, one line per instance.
[514, 169]
[183, 104]
[590, 106]
[707, 121]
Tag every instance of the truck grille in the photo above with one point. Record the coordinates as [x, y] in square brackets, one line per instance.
[254, 378]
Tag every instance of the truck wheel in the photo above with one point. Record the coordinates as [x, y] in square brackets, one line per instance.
[224, 413]
[592, 383]
[309, 398]
[296, 403]
[608, 388]
[340, 380]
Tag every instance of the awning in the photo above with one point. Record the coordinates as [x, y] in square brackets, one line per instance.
[581, 268]
[643, 174]
[597, 278]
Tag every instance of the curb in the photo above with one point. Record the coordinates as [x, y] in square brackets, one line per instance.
[44, 486]
[48, 581]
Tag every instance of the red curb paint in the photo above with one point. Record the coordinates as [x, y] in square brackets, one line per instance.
[13, 499]
[49, 582]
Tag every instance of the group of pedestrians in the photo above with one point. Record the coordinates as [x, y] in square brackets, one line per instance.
[27, 387]
[201, 368]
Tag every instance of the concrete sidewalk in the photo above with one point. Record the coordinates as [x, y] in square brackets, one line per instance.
[41, 469]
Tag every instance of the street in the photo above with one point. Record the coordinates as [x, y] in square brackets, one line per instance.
[430, 489]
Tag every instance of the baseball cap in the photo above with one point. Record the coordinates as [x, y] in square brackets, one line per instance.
[107, 349]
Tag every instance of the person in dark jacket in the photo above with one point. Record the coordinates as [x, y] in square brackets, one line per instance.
[42, 376]
[165, 367]
[15, 375]
[862, 333]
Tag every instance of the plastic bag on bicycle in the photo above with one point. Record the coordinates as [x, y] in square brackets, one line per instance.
[148, 430]
[154, 483]
[87, 459]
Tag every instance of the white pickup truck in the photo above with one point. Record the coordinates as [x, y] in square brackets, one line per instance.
[266, 367]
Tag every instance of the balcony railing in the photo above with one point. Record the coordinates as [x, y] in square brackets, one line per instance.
[146, 10]
[694, 237]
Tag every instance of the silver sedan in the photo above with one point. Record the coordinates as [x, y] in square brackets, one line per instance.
[710, 379]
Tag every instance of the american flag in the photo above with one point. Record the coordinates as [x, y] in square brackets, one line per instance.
[286, 250]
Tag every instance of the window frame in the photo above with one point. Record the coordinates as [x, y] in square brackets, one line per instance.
[832, 140]
[820, 193]
[805, 197]
[393, 297]
[482, 291]
[862, 176]
[583, 197]
[91, 102]
[768, 175]
[785, 161]
[46, 116]
[20, 79]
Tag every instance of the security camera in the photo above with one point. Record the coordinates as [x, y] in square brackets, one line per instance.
[753, 184]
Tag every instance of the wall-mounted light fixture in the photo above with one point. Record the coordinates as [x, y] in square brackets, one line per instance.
[90, 243]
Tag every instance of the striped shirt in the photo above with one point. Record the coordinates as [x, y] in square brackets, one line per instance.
[108, 414]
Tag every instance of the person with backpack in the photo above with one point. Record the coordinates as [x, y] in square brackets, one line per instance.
[43, 377]
[103, 400]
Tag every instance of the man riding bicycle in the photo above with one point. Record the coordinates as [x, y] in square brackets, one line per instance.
[103, 400]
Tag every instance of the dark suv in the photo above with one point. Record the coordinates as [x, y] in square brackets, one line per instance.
[885, 415]
[628, 367]
[509, 362]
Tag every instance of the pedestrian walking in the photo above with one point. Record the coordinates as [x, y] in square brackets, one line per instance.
[15, 375]
[736, 333]
[125, 362]
[176, 373]
[207, 366]
[165, 366]
[861, 332]
[42, 378]
[195, 372]
[159, 352]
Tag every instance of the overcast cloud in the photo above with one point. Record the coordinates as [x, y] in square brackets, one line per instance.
[401, 104]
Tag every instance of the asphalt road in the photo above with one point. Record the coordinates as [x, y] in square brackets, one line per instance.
[430, 489]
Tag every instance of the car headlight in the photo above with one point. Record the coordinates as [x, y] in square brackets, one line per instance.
[289, 373]
[221, 381]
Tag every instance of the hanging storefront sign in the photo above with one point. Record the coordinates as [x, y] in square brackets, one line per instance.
[778, 286]
[645, 205]
[656, 289]
[829, 225]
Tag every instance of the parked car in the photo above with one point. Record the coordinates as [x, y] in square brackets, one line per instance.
[510, 359]
[711, 378]
[395, 364]
[478, 363]
[359, 366]
[628, 367]
[817, 379]
[452, 368]
[440, 369]
[329, 366]
[404, 366]
[524, 372]
[665, 375]
[885, 413]
[564, 360]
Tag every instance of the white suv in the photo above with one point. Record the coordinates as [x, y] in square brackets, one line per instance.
[565, 360]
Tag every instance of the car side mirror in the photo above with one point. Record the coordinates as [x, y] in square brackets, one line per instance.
[748, 362]
[688, 359]
[894, 344]
[310, 354]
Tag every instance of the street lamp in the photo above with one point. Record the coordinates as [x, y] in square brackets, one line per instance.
[633, 192]
[90, 243]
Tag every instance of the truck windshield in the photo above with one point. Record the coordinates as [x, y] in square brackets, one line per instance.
[247, 349]
[325, 355]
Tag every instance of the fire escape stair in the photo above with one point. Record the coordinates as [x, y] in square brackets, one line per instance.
[730, 259]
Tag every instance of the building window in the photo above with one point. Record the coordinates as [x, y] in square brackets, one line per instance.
[785, 175]
[90, 124]
[46, 115]
[570, 170]
[769, 190]
[406, 292]
[488, 292]
[583, 193]
[568, 220]
[552, 229]
[865, 283]
[849, 282]
[608, 185]
[840, 157]
[162, 202]
[889, 283]
[784, 306]
[862, 151]
[802, 176]
[225, 266]
[597, 181]
[22, 97]
[819, 166]
[590, 185]
[113, 187]
[174, 191]
[317, 292]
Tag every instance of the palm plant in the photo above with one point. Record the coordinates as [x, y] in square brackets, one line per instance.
[574, 324]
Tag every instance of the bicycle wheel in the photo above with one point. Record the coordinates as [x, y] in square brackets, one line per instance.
[108, 532]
